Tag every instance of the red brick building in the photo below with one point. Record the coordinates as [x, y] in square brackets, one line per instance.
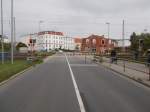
[97, 44]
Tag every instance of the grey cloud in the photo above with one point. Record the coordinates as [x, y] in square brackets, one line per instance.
[79, 16]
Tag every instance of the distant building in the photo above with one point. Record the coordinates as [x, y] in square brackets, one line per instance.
[78, 43]
[26, 39]
[127, 42]
[97, 44]
[6, 40]
[48, 40]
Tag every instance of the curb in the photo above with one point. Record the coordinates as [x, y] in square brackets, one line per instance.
[122, 74]
[16, 75]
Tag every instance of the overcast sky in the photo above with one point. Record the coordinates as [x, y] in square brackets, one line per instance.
[79, 17]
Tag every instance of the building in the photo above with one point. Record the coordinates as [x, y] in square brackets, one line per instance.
[28, 40]
[97, 44]
[48, 40]
[6, 40]
[78, 43]
[127, 42]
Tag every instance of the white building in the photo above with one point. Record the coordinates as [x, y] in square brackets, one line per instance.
[6, 40]
[48, 40]
[126, 42]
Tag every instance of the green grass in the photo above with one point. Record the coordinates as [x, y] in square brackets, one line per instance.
[7, 70]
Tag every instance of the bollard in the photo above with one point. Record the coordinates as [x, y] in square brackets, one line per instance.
[85, 58]
[100, 59]
[110, 62]
[124, 66]
[149, 71]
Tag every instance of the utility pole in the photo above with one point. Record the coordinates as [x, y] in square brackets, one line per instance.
[12, 31]
[123, 42]
[15, 35]
[2, 31]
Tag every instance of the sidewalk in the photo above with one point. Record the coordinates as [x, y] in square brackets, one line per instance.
[130, 73]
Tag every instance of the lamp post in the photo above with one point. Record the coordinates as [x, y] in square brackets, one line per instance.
[2, 37]
[108, 26]
[123, 42]
[12, 31]
[108, 31]
[40, 22]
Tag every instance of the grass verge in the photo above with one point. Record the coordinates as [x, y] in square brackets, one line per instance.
[7, 70]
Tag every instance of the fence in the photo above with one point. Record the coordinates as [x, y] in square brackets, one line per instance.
[6, 56]
[139, 66]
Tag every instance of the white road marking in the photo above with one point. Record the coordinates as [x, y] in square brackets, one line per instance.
[83, 65]
[82, 108]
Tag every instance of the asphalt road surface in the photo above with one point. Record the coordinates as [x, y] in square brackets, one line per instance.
[50, 88]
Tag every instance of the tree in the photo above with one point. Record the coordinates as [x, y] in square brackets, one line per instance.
[134, 41]
[20, 44]
[140, 42]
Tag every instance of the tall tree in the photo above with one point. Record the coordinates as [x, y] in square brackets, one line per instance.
[142, 40]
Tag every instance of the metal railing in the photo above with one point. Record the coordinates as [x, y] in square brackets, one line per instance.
[142, 67]
[126, 62]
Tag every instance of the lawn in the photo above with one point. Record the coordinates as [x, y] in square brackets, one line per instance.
[7, 70]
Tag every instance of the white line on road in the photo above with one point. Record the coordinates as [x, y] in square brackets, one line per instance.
[82, 108]
[83, 65]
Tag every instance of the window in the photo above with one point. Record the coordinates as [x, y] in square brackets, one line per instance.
[94, 41]
[87, 41]
[103, 42]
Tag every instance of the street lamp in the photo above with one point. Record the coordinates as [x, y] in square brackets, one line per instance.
[2, 37]
[108, 25]
[40, 22]
[12, 31]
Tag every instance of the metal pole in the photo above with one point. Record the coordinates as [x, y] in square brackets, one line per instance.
[2, 37]
[15, 34]
[40, 25]
[85, 58]
[149, 71]
[108, 29]
[12, 31]
[123, 42]
[108, 35]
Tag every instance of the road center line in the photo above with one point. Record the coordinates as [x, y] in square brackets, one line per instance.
[82, 108]
[83, 65]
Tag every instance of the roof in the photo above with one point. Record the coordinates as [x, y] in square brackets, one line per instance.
[51, 32]
[78, 40]
[95, 36]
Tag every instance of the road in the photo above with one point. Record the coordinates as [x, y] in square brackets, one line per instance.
[50, 88]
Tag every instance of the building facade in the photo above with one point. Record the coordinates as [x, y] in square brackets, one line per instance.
[48, 40]
[97, 44]
[78, 43]
[6, 40]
